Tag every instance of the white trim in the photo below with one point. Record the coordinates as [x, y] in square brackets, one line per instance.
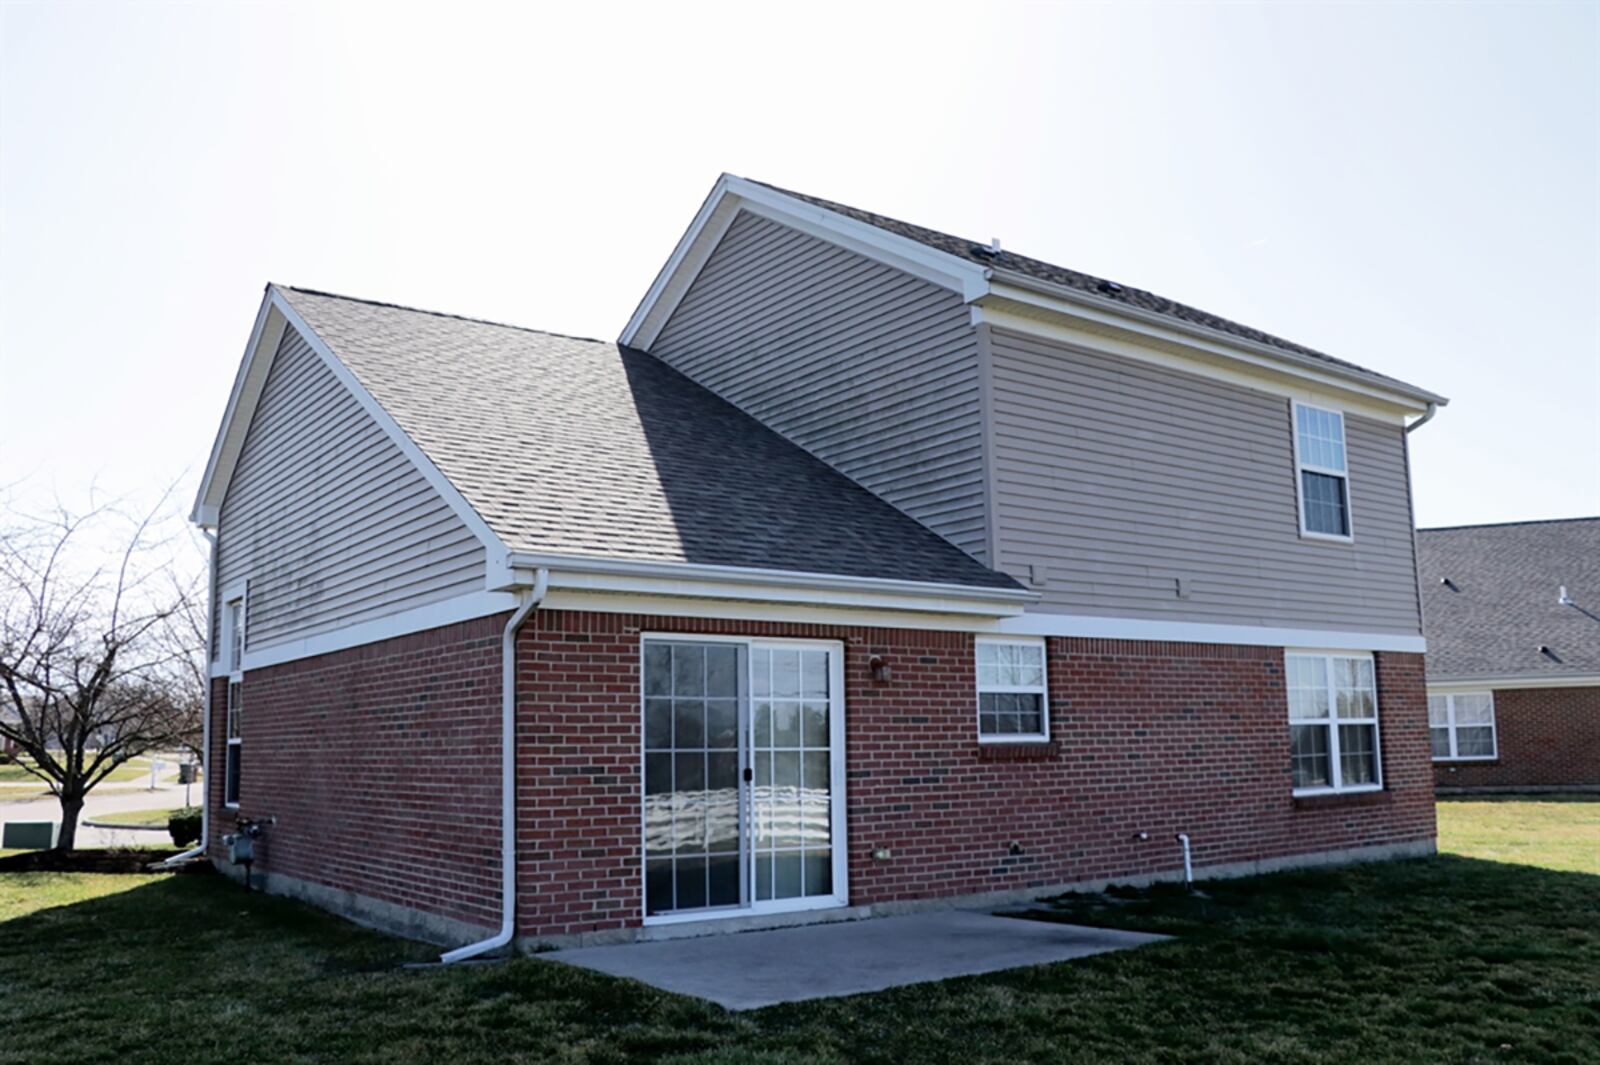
[1452, 727]
[839, 850]
[732, 194]
[1503, 683]
[420, 619]
[247, 393]
[1022, 291]
[1112, 628]
[1333, 722]
[1302, 467]
[1042, 690]
[747, 582]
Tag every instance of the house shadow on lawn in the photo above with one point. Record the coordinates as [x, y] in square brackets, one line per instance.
[1435, 959]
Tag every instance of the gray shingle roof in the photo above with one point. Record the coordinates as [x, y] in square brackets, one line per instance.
[1503, 604]
[581, 447]
[978, 252]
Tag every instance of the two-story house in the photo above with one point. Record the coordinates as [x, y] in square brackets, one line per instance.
[871, 568]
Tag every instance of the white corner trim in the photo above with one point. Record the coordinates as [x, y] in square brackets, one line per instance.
[732, 194]
[420, 619]
[1455, 685]
[1111, 628]
[494, 548]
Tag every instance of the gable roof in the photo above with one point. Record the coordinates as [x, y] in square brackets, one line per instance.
[972, 268]
[1501, 603]
[583, 448]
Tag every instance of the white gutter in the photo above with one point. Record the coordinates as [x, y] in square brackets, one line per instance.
[205, 722]
[508, 779]
[750, 575]
[1433, 408]
[1370, 382]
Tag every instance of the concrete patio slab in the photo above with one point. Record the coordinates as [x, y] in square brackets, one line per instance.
[749, 970]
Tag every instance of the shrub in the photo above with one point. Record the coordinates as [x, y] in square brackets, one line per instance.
[184, 825]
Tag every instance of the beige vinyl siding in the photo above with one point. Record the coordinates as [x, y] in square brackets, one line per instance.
[1119, 477]
[326, 517]
[870, 369]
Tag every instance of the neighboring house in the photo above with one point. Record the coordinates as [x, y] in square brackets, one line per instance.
[1512, 614]
[871, 568]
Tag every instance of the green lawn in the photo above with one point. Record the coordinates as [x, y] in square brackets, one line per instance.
[131, 770]
[148, 818]
[1552, 831]
[1450, 959]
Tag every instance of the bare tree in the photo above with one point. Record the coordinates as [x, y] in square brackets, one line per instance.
[97, 623]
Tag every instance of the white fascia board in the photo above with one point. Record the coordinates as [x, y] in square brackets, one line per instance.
[419, 619]
[733, 194]
[1443, 685]
[1203, 340]
[494, 549]
[690, 580]
[1113, 628]
[248, 380]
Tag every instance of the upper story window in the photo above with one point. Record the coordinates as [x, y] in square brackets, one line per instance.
[1333, 723]
[1323, 473]
[1013, 698]
[1461, 726]
[235, 635]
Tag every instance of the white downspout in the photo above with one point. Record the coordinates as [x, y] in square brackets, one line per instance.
[205, 722]
[508, 779]
[1188, 869]
[1433, 408]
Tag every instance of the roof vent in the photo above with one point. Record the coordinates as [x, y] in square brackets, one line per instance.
[1544, 649]
[991, 252]
[1564, 599]
[1448, 583]
[1110, 288]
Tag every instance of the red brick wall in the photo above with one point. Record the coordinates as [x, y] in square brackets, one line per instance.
[381, 764]
[1151, 737]
[1547, 737]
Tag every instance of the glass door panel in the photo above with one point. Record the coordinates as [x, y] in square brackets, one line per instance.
[693, 824]
[791, 795]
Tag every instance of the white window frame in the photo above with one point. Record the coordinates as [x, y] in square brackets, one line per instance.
[230, 651]
[1302, 467]
[1333, 721]
[1042, 690]
[1451, 725]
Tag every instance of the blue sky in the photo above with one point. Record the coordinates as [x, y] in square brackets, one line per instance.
[1415, 188]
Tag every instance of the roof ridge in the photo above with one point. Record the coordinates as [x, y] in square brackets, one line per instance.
[437, 314]
[1507, 524]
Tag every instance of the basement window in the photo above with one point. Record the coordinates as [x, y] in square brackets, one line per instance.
[1461, 727]
[1333, 723]
[1013, 698]
[1322, 473]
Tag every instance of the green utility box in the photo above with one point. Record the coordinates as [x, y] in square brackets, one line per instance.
[28, 835]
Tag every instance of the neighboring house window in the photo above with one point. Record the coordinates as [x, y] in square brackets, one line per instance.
[1013, 701]
[1333, 723]
[233, 621]
[1323, 472]
[1461, 726]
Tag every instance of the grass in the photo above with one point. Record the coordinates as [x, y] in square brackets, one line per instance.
[1554, 831]
[1449, 959]
[145, 818]
[131, 770]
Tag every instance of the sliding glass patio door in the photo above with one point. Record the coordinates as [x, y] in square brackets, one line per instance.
[743, 776]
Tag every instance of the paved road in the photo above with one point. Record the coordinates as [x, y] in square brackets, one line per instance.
[36, 804]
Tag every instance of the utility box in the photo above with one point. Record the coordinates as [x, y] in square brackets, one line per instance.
[28, 835]
[243, 848]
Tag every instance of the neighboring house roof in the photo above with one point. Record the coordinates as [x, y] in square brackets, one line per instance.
[1501, 603]
[575, 447]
